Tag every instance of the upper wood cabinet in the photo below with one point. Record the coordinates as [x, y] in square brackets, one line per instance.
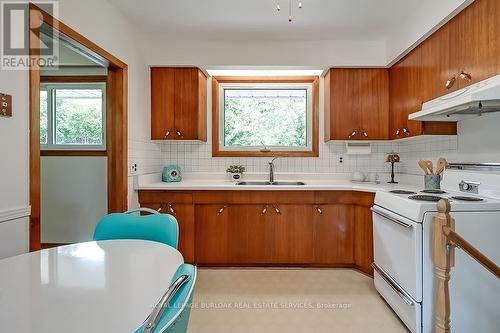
[462, 52]
[356, 104]
[478, 41]
[178, 104]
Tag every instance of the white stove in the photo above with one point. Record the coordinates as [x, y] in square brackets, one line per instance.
[402, 249]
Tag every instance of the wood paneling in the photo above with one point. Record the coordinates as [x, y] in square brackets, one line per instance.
[116, 120]
[162, 103]
[357, 100]
[165, 196]
[333, 234]
[178, 104]
[217, 152]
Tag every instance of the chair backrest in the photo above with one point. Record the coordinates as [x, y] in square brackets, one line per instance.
[175, 316]
[157, 227]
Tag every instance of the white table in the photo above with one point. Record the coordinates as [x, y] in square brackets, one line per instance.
[106, 286]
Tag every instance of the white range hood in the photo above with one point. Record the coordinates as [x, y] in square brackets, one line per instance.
[479, 98]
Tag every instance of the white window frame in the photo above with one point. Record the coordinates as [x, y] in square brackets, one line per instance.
[309, 117]
[50, 87]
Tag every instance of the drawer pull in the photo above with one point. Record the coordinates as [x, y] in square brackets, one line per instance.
[264, 210]
[319, 210]
[221, 210]
[171, 209]
[406, 225]
[277, 209]
[397, 289]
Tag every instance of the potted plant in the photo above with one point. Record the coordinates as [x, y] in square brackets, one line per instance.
[236, 172]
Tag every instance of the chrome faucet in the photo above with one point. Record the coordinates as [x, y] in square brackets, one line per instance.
[271, 170]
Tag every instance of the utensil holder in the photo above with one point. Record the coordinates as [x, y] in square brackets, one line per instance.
[432, 182]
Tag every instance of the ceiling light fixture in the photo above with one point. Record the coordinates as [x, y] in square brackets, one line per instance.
[278, 8]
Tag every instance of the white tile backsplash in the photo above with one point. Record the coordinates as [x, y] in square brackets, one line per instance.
[197, 157]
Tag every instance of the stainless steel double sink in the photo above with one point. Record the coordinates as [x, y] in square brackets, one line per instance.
[264, 183]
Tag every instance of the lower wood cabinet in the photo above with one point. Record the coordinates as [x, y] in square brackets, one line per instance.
[253, 234]
[316, 229]
[184, 214]
[333, 227]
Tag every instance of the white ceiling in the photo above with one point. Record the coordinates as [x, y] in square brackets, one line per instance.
[258, 19]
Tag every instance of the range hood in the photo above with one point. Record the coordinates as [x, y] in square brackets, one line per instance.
[472, 101]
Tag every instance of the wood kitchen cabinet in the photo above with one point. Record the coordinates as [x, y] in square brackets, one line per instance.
[271, 228]
[178, 104]
[409, 80]
[180, 206]
[478, 42]
[356, 104]
[333, 234]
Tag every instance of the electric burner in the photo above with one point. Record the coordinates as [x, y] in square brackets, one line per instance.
[431, 198]
[467, 198]
[402, 192]
[434, 191]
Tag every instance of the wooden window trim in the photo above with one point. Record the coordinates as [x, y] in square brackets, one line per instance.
[73, 153]
[216, 80]
[74, 79]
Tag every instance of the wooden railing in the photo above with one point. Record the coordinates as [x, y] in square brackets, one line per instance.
[444, 242]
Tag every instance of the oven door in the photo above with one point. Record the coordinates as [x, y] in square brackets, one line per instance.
[398, 250]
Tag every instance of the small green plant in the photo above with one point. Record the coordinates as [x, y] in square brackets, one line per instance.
[236, 169]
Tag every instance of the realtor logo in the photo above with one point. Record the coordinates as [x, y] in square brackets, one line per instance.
[15, 36]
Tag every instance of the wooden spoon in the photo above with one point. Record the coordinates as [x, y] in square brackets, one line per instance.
[430, 167]
[441, 165]
[423, 165]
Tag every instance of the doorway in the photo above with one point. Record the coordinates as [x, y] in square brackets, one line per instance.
[108, 83]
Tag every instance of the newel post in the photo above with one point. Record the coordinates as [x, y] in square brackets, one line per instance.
[443, 257]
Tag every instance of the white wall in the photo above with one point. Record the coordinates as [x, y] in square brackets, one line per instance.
[477, 141]
[74, 197]
[429, 16]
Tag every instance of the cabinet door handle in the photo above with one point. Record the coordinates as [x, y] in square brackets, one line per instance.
[171, 209]
[277, 209]
[365, 134]
[465, 76]
[160, 209]
[264, 210]
[406, 131]
[398, 131]
[178, 133]
[319, 210]
[354, 133]
[167, 134]
[450, 83]
[221, 210]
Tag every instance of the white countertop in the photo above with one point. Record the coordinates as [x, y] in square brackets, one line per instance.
[314, 182]
[106, 286]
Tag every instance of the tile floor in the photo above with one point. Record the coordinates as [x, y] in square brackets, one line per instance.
[288, 301]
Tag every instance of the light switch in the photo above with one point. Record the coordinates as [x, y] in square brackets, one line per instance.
[5, 105]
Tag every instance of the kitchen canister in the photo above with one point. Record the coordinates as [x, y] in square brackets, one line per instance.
[432, 182]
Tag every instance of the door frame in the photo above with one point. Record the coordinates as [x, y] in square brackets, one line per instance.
[116, 121]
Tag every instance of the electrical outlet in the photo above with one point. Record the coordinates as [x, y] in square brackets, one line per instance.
[133, 169]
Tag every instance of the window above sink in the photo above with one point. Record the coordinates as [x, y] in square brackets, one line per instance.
[265, 116]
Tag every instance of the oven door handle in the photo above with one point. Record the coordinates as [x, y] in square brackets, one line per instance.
[406, 225]
[397, 289]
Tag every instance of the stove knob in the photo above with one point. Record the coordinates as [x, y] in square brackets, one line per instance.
[465, 186]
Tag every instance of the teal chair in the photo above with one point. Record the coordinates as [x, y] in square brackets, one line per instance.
[171, 314]
[156, 227]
